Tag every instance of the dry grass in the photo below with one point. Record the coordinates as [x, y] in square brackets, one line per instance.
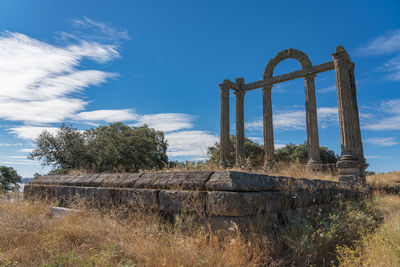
[30, 237]
[295, 170]
[382, 247]
[384, 180]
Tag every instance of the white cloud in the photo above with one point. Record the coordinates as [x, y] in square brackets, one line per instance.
[102, 30]
[37, 80]
[327, 89]
[17, 157]
[192, 144]
[32, 132]
[381, 141]
[6, 144]
[108, 115]
[391, 122]
[26, 150]
[296, 119]
[166, 122]
[386, 44]
[22, 162]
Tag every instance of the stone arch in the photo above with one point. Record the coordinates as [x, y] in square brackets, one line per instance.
[288, 53]
[311, 109]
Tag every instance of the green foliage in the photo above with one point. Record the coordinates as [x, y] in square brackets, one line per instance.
[299, 153]
[113, 148]
[9, 179]
[313, 238]
[254, 153]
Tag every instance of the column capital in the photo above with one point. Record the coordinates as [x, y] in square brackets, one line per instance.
[224, 86]
[267, 87]
[341, 54]
[310, 76]
[239, 92]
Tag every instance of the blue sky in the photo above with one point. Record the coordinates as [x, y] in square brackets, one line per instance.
[160, 62]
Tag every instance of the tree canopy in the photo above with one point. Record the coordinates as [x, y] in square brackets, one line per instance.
[254, 153]
[9, 179]
[113, 148]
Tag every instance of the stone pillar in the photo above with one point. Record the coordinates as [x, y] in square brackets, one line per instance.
[224, 135]
[269, 150]
[351, 165]
[314, 160]
[240, 156]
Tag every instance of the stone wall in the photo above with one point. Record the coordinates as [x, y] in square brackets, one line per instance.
[220, 196]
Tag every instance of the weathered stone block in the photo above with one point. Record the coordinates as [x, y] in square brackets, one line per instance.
[178, 200]
[65, 193]
[140, 198]
[109, 196]
[274, 201]
[129, 180]
[240, 181]
[196, 180]
[82, 180]
[236, 203]
[146, 180]
[113, 179]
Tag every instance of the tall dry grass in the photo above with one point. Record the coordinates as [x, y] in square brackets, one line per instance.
[381, 248]
[384, 180]
[30, 237]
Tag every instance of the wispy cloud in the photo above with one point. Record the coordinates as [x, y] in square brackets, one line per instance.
[384, 44]
[31, 132]
[100, 30]
[388, 43]
[166, 122]
[296, 119]
[38, 80]
[21, 162]
[7, 144]
[391, 117]
[192, 144]
[327, 90]
[382, 141]
[26, 150]
[108, 115]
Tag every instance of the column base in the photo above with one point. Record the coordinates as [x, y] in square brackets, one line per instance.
[351, 169]
[224, 163]
[269, 164]
[315, 165]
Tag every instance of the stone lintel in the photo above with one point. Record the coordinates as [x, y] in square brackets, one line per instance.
[289, 76]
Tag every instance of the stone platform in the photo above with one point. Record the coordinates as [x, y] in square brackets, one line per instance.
[220, 196]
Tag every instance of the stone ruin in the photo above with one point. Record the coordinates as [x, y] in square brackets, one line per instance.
[227, 196]
[351, 165]
[220, 197]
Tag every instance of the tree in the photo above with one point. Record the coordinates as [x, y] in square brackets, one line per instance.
[113, 148]
[253, 152]
[9, 179]
[299, 153]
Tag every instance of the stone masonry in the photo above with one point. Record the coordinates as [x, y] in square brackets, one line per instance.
[222, 197]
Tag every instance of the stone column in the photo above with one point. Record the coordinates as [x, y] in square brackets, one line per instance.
[240, 156]
[351, 165]
[224, 135]
[269, 150]
[314, 160]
